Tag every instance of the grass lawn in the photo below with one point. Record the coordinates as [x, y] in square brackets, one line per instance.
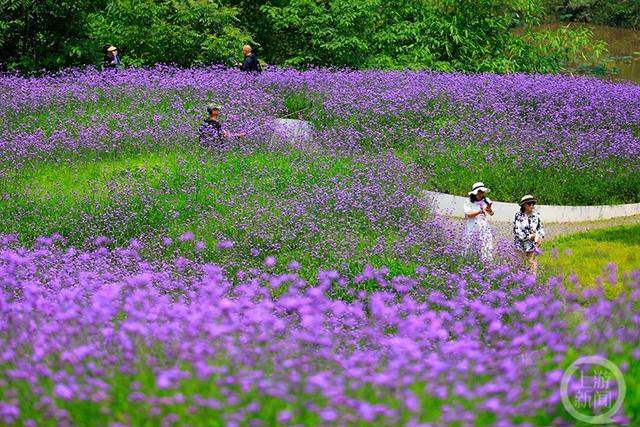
[589, 255]
[324, 211]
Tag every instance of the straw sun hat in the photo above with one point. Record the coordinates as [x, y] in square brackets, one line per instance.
[526, 199]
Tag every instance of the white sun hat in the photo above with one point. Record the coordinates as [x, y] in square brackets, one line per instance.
[478, 186]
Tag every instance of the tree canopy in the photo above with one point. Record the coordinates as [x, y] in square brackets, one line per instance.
[467, 35]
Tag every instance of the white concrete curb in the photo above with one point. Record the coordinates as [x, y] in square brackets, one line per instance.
[450, 205]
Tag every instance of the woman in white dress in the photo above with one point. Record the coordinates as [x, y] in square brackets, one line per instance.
[478, 232]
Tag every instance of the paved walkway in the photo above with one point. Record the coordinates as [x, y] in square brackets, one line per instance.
[557, 229]
[449, 204]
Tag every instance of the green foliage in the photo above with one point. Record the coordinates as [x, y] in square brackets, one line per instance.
[302, 104]
[135, 193]
[558, 186]
[180, 32]
[443, 35]
[554, 49]
[44, 33]
[52, 35]
[628, 235]
[323, 33]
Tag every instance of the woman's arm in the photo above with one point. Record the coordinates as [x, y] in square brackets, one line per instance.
[540, 228]
[474, 214]
[234, 135]
[489, 208]
[469, 212]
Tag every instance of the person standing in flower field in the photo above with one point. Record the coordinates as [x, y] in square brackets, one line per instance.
[211, 133]
[478, 232]
[111, 59]
[528, 233]
[250, 62]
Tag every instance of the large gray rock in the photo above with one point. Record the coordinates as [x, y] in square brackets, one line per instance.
[296, 132]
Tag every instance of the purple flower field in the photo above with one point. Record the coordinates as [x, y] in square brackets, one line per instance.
[550, 135]
[103, 335]
[146, 280]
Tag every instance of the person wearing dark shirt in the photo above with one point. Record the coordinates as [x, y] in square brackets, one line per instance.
[211, 133]
[210, 130]
[250, 62]
[111, 59]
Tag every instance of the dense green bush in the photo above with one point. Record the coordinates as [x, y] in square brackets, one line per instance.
[180, 32]
[52, 35]
[444, 35]
[45, 33]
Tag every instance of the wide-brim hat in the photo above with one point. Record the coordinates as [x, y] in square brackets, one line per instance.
[478, 186]
[112, 48]
[212, 107]
[526, 199]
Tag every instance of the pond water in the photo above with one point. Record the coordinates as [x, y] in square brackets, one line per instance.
[624, 50]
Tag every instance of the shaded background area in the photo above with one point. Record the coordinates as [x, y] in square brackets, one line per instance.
[622, 62]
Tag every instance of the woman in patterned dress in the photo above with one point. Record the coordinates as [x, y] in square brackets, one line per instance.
[528, 233]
